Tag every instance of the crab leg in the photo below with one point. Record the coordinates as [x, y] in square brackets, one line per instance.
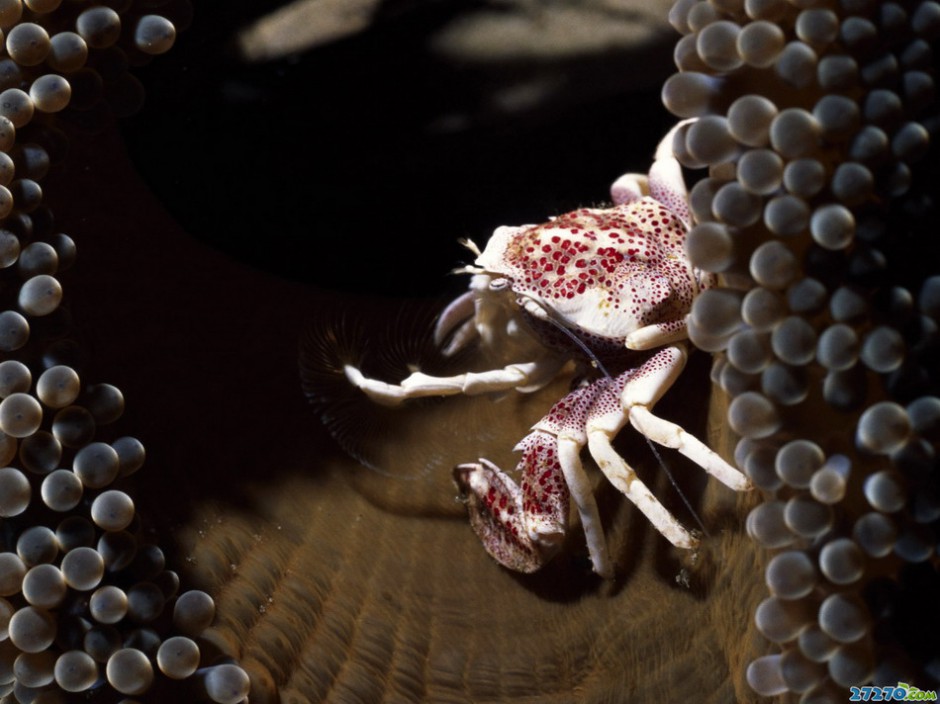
[629, 188]
[664, 181]
[642, 388]
[583, 496]
[566, 420]
[622, 476]
[640, 395]
[530, 375]
[607, 416]
[665, 177]
[671, 435]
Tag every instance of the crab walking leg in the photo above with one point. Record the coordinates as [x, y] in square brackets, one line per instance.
[665, 177]
[566, 420]
[622, 476]
[605, 419]
[642, 393]
[671, 435]
[530, 375]
[569, 451]
[666, 183]
[629, 188]
[642, 388]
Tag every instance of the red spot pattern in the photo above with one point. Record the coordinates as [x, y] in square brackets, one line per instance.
[632, 254]
[544, 492]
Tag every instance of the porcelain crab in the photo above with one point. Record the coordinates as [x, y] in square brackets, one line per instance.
[612, 288]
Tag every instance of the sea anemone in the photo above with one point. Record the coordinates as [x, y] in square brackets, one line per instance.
[814, 120]
[87, 603]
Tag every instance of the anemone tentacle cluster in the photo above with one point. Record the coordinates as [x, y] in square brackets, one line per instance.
[812, 118]
[86, 602]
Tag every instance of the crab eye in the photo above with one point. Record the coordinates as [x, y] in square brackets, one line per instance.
[499, 284]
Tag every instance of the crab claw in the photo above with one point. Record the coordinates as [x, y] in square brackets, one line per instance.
[522, 528]
[457, 317]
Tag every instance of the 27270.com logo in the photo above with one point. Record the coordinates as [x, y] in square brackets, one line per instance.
[901, 692]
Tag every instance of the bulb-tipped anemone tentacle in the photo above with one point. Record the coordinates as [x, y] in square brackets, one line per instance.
[817, 124]
[89, 608]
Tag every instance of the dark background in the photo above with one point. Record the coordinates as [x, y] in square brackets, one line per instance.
[357, 165]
